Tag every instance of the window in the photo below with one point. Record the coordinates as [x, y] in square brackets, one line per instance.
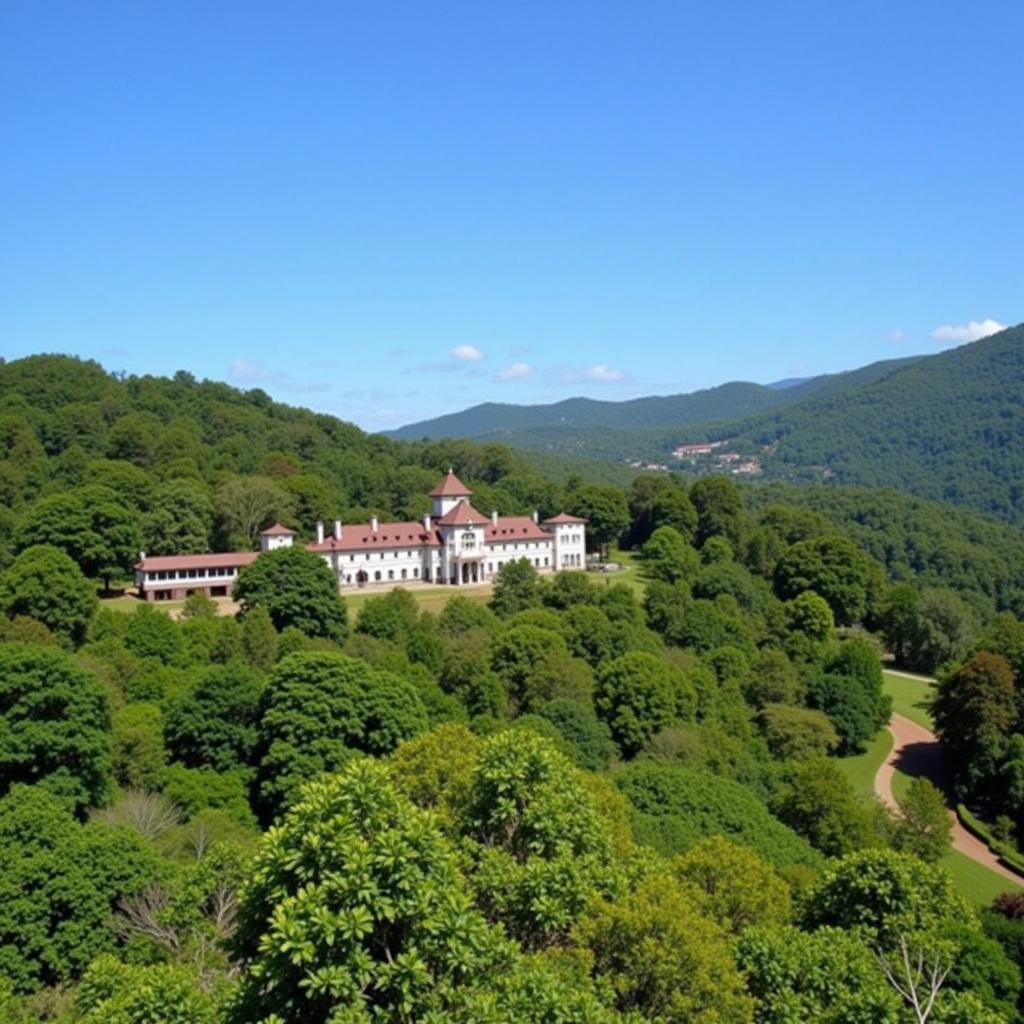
[391, 574]
[376, 575]
[415, 574]
[404, 574]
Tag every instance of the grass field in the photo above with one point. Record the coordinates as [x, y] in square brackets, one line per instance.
[862, 769]
[910, 697]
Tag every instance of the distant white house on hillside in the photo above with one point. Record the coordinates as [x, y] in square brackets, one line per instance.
[454, 545]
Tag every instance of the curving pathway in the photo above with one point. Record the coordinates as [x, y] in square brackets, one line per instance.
[916, 751]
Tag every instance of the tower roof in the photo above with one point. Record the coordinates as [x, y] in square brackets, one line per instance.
[463, 514]
[451, 487]
[277, 530]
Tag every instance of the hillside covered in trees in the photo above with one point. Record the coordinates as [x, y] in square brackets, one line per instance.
[569, 801]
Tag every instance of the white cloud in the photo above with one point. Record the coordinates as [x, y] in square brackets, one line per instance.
[896, 337]
[517, 371]
[467, 353]
[974, 330]
[604, 373]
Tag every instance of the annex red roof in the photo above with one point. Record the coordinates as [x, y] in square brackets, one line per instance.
[564, 517]
[462, 515]
[512, 528]
[222, 560]
[387, 535]
[277, 530]
[451, 487]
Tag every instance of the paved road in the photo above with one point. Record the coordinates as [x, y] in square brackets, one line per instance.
[916, 751]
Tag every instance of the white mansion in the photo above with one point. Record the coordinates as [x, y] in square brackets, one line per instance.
[456, 544]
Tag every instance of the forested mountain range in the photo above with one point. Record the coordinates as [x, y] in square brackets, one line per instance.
[948, 426]
[499, 421]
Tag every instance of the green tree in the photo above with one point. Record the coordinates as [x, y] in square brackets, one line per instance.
[401, 941]
[848, 707]
[636, 695]
[944, 629]
[605, 510]
[139, 754]
[974, 710]
[179, 521]
[318, 709]
[533, 663]
[542, 851]
[216, 726]
[54, 725]
[152, 633]
[246, 505]
[668, 557]
[819, 802]
[663, 959]
[741, 890]
[578, 723]
[259, 639]
[831, 567]
[516, 588]
[809, 627]
[885, 894]
[719, 506]
[91, 525]
[797, 734]
[112, 992]
[925, 826]
[298, 589]
[59, 884]
[828, 975]
[45, 585]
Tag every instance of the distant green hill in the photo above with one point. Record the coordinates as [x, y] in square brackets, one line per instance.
[495, 421]
[950, 426]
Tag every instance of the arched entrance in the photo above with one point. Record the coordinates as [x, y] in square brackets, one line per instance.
[361, 578]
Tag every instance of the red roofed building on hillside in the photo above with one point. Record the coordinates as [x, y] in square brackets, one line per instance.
[456, 544]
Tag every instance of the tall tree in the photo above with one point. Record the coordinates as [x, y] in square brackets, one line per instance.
[44, 584]
[54, 725]
[298, 589]
[91, 525]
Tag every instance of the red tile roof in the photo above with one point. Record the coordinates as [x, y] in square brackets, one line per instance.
[277, 530]
[512, 528]
[451, 487]
[564, 517]
[222, 560]
[387, 535]
[462, 515]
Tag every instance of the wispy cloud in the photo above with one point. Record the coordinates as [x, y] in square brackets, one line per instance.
[517, 371]
[973, 330]
[604, 373]
[467, 353]
[252, 373]
[897, 337]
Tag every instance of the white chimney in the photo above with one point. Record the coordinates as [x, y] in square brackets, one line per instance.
[337, 529]
[536, 516]
[374, 523]
[494, 519]
[142, 556]
[319, 531]
[426, 523]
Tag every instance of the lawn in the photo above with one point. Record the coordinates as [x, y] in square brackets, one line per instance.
[862, 769]
[910, 697]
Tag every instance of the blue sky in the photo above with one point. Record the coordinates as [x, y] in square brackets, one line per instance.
[393, 210]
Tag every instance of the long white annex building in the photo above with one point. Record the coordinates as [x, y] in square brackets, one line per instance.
[455, 545]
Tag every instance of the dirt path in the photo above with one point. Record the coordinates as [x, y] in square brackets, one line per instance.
[916, 751]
